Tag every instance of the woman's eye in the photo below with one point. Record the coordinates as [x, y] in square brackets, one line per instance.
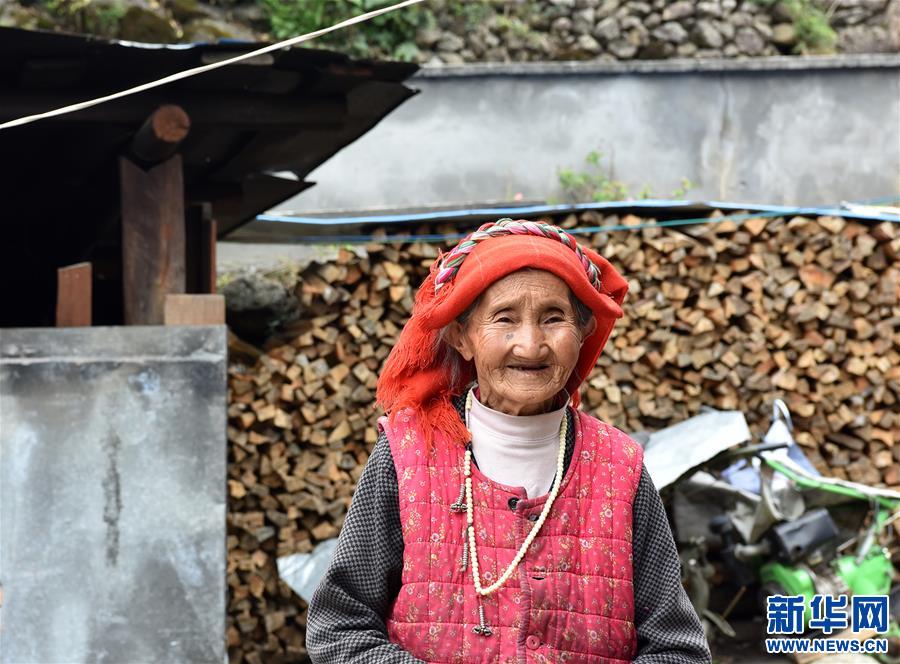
[504, 319]
[554, 319]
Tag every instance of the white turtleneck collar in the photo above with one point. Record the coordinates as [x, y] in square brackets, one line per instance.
[517, 450]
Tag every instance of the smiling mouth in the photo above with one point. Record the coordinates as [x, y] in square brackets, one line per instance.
[529, 368]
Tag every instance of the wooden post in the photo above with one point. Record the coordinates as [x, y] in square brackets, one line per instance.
[153, 241]
[160, 135]
[74, 295]
[195, 310]
[201, 249]
[208, 254]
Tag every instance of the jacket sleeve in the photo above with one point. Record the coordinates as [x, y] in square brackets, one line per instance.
[346, 619]
[668, 628]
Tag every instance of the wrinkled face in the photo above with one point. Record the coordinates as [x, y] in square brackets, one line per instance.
[524, 339]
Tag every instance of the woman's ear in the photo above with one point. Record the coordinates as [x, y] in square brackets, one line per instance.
[590, 328]
[456, 337]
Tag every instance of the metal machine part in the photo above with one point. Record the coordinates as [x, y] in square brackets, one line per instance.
[793, 541]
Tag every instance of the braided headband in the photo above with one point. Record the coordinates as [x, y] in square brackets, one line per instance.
[451, 263]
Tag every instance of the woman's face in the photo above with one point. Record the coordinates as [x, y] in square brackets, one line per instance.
[524, 339]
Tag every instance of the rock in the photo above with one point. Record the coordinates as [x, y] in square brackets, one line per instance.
[562, 25]
[639, 8]
[729, 5]
[865, 39]
[450, 58]
[253, 15]
[450, 42]
[146, 23]
[212, 30]
[476, 44]
[892, 18]
[678, 10]
[763, 29]
[16, 16]
[652, 21]
[740, 19]
[622, 49]
[638, 35]
[258, 304]
[630, 22]
[671, 32]
[725, 29]
[731, 51]
[657, 50]
[184, 10]
[607, 30]
[608, 8]
[428, 37]
[784, 34]
[853, 16]
[583, 22]
[686, 50]
[781, 13]
[709, 9]
[563, 3]
[588, 44]
[705, 35]
[749, 42]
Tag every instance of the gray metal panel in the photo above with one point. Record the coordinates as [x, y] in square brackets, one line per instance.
[113, 498]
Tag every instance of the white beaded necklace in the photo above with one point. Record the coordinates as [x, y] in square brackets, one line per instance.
[534, 530]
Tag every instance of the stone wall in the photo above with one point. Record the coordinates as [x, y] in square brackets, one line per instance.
[653, 29]
[517, 30]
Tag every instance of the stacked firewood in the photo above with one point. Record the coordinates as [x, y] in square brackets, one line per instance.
[726, 314]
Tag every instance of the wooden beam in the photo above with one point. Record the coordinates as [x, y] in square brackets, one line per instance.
[201, 249]
[153, 242]
[195, 310]
[74, 295]
[208, 255]
[161, 134]
[290, 111]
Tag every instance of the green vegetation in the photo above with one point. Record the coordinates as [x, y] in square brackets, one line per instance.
[686, 186]
[596, 184]
[473, 13]
[95, 17]
[593, 184]
[391, 35]
[394, 35]
[814, 32]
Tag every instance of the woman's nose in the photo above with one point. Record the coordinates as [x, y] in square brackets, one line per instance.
[529, 341]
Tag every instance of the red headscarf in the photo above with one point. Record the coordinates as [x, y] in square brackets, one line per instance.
[417, 375]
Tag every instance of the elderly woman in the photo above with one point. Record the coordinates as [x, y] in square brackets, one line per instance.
[495, 521]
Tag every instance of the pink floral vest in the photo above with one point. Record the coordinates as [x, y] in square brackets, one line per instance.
[571, 598]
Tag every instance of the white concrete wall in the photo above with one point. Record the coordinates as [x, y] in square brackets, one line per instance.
[793, 131]
[112, 494]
